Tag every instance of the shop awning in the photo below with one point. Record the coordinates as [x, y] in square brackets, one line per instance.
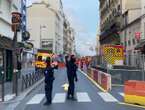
[140, 44]
[6, 43]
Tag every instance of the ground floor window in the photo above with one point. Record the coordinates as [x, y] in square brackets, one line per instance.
[1, 58]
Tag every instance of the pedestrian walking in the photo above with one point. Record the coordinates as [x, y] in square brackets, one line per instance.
[72, 76]
[49, 78]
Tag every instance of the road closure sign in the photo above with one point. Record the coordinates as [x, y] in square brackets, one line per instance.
[113, 54]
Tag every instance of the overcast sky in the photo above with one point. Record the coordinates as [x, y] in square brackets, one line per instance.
[84, 18]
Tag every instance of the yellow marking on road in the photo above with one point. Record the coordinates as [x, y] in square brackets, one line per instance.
[127, 104]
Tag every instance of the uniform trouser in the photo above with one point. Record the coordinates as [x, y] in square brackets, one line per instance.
[48, 91]
[71, 87]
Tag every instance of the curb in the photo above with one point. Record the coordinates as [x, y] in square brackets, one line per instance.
[131, 105]
[11, 105]
[24, 93]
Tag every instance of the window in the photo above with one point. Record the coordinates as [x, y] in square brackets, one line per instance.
[129, 43]
[46, 44]
[125, 44]
[119, 8]
[1, 58]
[133, 41]
[144, 29]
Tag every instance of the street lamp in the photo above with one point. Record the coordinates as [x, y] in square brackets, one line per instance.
[41, 27]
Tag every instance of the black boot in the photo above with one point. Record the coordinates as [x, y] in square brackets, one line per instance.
[47, 103]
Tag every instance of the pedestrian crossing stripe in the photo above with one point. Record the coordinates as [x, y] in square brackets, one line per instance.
[36, 99]
[107, 97]
[59, 98]
[81, 97]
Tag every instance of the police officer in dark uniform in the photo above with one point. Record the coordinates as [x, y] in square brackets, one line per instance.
[49, 78]
[72, 76]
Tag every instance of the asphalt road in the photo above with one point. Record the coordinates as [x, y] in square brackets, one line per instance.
[88, 97]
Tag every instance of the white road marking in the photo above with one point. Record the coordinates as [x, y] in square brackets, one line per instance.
[8, 97]
[122, 94]
[59, 98]
[83, 97]
[36, 99]
[107, 97]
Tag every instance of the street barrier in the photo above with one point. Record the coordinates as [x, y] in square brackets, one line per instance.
[134, 92]
[92, 73]
[96, 73]
[99, 77]
[30, 79]
[106, 81]
[89, 72]
[102, 78]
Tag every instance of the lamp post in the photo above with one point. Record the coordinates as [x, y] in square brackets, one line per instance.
[41, 27]
[16, 21]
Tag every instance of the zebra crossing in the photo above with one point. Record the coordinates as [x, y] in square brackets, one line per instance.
[82, 97]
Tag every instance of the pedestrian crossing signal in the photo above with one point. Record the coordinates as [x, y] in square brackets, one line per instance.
[16, 21]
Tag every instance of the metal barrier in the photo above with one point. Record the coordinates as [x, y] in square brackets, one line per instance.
[30, 79]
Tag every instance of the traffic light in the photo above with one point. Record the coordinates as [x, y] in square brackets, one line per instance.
[16, 21]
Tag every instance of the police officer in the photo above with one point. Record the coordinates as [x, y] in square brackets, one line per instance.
[72, 76]
[49, 78]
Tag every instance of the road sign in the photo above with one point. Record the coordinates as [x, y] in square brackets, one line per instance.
[113, 53]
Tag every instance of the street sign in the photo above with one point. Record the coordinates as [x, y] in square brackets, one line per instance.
[113, 54]
[137, 35]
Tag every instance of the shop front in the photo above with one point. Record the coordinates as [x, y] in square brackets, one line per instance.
[6, 63]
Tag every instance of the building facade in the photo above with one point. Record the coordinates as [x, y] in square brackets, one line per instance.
[45, 24]
[110, 21]
[131, 29]
[143, 19]
[69, 38]
[123, 22]
[6, 35]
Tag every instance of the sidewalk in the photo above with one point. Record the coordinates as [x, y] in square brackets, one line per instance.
[8, 86]
[11, 105]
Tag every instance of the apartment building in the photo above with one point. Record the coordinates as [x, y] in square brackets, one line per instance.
[69, 38]
[110, 21]
[6, 34]
[45, 24]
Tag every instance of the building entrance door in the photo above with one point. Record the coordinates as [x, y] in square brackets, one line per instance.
[9, 65]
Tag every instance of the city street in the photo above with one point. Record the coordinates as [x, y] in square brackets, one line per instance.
[103, 41]
[88, 97]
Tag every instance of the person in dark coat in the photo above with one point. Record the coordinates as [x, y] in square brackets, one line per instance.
[49, 78]
[66, 63]
[72, 76]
